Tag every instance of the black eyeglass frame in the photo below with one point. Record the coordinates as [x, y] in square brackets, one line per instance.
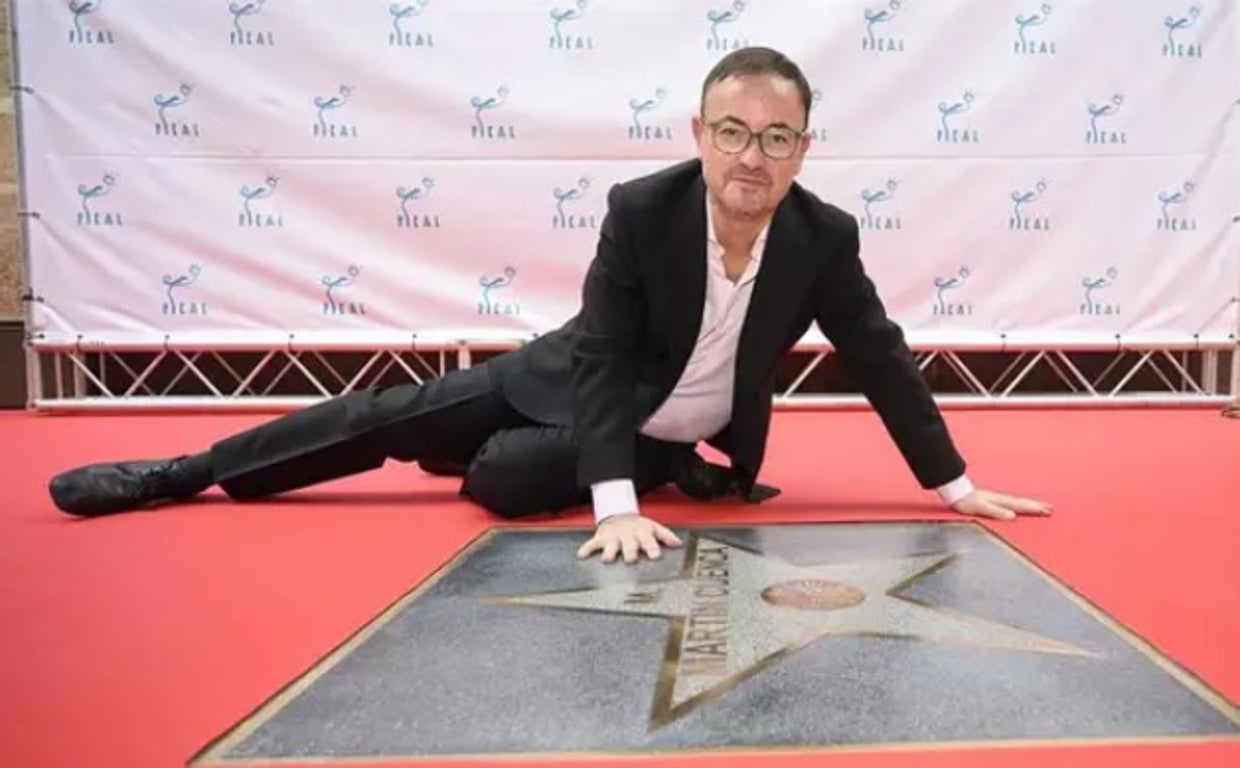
[714, 137]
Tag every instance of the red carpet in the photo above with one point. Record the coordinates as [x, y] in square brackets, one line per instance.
[134, 640]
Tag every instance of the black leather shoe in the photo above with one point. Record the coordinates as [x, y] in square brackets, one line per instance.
[705, 481]
[101, 489]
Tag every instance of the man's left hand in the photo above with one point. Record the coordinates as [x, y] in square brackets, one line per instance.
[1000, 506]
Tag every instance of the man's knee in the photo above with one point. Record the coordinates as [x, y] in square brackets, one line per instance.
[525, 471]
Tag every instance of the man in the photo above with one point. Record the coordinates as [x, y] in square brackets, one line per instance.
[705, 275]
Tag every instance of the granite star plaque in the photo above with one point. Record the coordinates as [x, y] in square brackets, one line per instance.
[776, 636]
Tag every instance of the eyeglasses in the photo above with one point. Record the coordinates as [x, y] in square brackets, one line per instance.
[734, 137]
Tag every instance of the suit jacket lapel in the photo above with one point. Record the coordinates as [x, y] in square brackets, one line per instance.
[686, 271]
[783, 279]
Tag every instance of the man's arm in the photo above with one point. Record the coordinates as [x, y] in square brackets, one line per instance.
[871, 347]
[604, 360]
[604, 355]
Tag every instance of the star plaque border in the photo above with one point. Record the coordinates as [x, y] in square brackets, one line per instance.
[664, 709]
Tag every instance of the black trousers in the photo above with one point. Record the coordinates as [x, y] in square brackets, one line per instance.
[511, 465]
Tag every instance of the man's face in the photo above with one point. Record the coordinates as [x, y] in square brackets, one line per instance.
[750, 184]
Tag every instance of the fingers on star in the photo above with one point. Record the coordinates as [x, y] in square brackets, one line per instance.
[630, 544]
[595, 544]
[649, 544]
[666, 536]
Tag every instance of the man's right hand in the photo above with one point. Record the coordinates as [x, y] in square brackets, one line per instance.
[629, 534]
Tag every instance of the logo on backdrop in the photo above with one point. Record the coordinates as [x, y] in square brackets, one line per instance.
[403, 37]
[495, 298]
[174, 289]
[942, 285]
[816, 133]
[950, 129]
[88, 193]
[1168, 221]
[567, 40]
[878, 29]
[1092, 286]
[639, 130]
[482, 129]
[1021, 219]
[877, 214]
[253, 215]
[719, 40]
[169, 109]
[1028, 41]
[241, 35]
[81, 34]
[334, 303]
[1100, 122]
[572, 218]
[408, 218]
[1177, 45]
[329, 122]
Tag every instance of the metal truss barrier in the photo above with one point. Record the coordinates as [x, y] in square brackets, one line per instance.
[169, 376]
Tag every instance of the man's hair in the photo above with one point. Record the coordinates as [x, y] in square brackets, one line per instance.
[759, 61]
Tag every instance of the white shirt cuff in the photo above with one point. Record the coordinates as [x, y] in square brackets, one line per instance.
[613, 497]
[955, 490]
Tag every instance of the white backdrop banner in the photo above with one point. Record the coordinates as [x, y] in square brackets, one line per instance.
[357, 171]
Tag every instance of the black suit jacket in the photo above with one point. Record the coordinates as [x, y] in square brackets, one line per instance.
[612, 365]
